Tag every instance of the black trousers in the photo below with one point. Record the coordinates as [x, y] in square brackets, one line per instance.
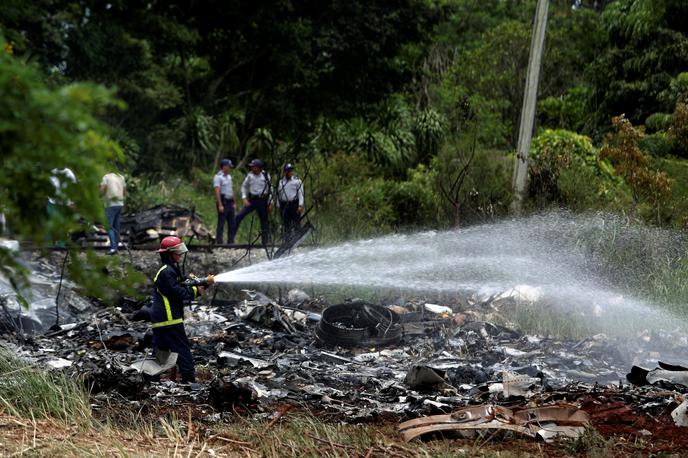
[261, 207]
[225, 216]
[173, 338]
[291, 220]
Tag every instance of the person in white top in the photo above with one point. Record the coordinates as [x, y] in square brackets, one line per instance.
[113, 188]
[224, 198]
[290, 201]
[256, 191]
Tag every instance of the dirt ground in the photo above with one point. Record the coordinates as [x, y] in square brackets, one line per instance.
[294, 431]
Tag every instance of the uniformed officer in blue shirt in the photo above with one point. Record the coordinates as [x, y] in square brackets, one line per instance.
[290, 201]
[256, 192]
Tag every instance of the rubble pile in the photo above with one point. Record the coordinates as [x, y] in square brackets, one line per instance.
[255, 353]
[149, 226]
[437, 369]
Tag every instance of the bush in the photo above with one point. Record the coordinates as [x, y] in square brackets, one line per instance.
[567, 112]
[678, 131]
[414, 203]
[581, 188]
[658, 122]
[551, 152]
[485, 192]
[565, 169]
[656, 144]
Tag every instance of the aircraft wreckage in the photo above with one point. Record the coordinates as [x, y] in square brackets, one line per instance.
[439, 370]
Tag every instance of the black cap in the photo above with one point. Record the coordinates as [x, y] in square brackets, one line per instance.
[288, 166]
[228, 162]
[256, 163]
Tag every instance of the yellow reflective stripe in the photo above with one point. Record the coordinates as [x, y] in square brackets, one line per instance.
[167, 323]
[168, 311]
[195, 290]
[156, 275]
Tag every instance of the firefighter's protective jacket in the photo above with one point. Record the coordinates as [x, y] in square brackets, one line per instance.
[169, 297]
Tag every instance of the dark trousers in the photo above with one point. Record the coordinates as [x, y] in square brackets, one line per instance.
[173, 338]
[261, 207]
[113, 215]
[291, 220]
[228, 216]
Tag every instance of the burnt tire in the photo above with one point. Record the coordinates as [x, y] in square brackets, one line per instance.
[358, 324]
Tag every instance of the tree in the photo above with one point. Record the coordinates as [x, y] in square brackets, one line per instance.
[634, 166]
[43, 129]
[276, 65]
[648, 46]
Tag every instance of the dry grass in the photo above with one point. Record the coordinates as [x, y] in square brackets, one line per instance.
[297, 434]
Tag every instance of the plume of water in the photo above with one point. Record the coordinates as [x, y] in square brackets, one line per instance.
[557, 256]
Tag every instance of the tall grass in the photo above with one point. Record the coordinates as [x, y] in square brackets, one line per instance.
[32, 392]
[650, 262]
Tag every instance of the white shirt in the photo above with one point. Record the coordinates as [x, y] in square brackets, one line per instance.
[256, 185]
[114, 189]
[224, 182]
[289, 190]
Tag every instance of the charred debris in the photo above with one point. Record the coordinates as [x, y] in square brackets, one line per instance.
[436, 369]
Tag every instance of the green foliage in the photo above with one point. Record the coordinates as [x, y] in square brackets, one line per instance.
[569, 112]
[200, 78]
[678, 130]
[648, 47]
[414, 202]
[564, 169]
[351, 203]
[657, 144]
[45, 129]
[496, 69]
[429, 131]
[658, 121]
[647, 185]
[485, 191]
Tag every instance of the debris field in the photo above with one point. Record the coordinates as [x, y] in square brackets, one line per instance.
[438, 370]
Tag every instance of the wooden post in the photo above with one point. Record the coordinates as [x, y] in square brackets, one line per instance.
[525, 133]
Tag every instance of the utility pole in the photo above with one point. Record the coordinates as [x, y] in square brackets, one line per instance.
[525, 133]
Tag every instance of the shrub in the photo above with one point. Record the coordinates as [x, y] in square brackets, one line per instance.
[414, 202]
[678, 131]
[634, 166]
[656, 144]
[565, 169]
[657, 122]
[567, 112]
[553, 151]
[485, 190]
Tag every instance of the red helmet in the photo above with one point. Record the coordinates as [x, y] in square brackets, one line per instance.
[172, 244]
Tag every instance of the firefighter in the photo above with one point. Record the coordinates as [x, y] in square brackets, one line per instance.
[255, 195]
[167, 311]
[290, 201]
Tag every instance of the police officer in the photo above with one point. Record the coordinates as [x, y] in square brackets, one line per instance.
[224, 198]
[167, 311]
[290, 201]
[255, 195]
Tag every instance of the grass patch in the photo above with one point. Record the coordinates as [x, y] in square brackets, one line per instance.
[542, 319]
[30, 392]
[677, 203]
